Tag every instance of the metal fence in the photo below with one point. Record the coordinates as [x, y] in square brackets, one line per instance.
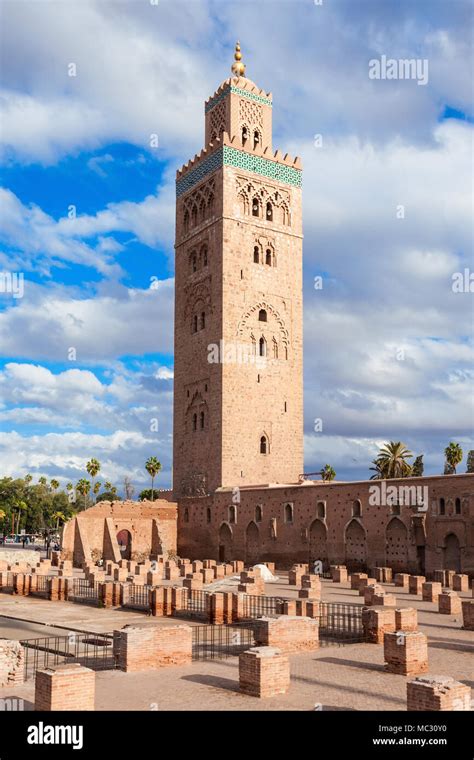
[7, 583]
[196, 606]
[84, 592]
[93, 650]
[41, 586]
[212, 642]
[261, 606]
[137, 597]
[340, 622]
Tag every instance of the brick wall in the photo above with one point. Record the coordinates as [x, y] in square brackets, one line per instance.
[64, 688]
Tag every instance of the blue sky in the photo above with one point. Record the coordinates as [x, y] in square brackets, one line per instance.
[388, 345]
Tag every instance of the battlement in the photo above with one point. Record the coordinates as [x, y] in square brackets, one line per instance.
[241, 86]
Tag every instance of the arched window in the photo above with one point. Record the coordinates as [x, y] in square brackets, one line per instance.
[256, 254]
[232, 515]
[442, 506]
[204, 256]
[210, 205]
[256, 139]
[255, 207]
[258, 513]
[262, 315]
[262, 347]
[186, 221]
[208, 515]
[186, 515]
[194, 216]
[357, 508]
[288, 513]
[245, 135]
[201, 416]
[321, 510]
[275, 350]
[268, 257]
[195, 421]
[203, 320]
[194, 262]
[263, 445]
[457, 506]
[269, 215]
[195, 323]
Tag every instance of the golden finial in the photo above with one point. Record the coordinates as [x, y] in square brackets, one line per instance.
[238, 68]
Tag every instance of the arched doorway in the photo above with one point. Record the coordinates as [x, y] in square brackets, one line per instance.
[318, 545]
[124, 540]
[396, 545]
[452, 553]
[356, 546]
[225, 543]
[252, 544]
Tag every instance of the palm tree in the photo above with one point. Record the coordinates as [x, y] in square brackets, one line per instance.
[58, 516]
[54, 484]
[108, 485]
[391, 461]
[152, 466]
[21, 506]
[453, 454]
[3, 514]
[28, 478]
[113, 490]
[42, 480]
[93, 467]
[96, 489]
[83, 487]
[328, 472]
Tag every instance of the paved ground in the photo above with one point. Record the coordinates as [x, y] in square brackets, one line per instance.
[350, 677]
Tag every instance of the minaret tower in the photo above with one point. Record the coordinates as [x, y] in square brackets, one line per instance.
[238, 384]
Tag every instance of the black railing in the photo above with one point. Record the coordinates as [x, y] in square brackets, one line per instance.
[137, 597]
[261, 606]
[341, 622]
[196, 605]
[41, 586]
[84, 592]
[7, 583]
[211, 642]
[93, 650]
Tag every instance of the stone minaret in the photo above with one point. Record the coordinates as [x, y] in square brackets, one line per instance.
[238, 383]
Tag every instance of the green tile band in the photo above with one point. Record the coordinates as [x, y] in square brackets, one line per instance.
[228, 156]
[241, 93]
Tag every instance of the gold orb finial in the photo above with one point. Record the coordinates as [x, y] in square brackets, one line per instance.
[238, 68]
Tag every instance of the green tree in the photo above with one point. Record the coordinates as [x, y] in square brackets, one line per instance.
[418, 467]
[54, 484]
[152, 466]
[470, 461]
[328, 473]
[453, 454]
[83, 487]
[93, 468]
[42, 480]
[391, 461]
[96, 489]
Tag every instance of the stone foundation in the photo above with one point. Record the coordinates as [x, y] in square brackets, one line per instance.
[437, 694]
[264, 672]
[65, 688]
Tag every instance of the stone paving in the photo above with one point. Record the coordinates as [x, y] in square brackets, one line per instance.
[350, 677]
